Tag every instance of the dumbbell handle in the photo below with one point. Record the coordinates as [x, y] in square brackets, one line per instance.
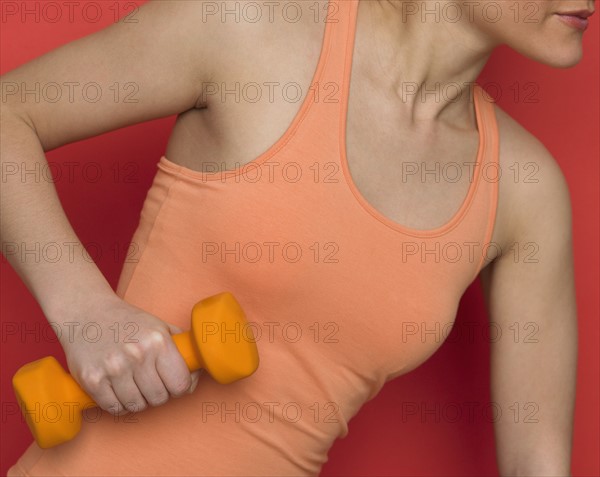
[184, 343]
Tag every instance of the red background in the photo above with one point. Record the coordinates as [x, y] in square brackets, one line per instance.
[565, 118]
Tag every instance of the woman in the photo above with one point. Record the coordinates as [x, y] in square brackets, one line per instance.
[347, 223]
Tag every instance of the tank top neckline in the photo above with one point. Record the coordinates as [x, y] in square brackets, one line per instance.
[459, 214]
[348, 34]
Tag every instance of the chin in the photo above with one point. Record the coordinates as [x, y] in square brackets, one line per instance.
[557, 57]
[564, 59]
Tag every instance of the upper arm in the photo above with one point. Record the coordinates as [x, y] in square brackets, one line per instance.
[534, 271]
[530, 295]
[124, 74]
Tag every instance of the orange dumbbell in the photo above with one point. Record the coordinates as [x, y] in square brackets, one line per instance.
[52, 401]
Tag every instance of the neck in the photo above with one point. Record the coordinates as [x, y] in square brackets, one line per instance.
[428, 63]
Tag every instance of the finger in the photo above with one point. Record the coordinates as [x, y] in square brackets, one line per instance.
[108, 401]
[173, 371]
[195, 378]
[151, 385]
[128, 393]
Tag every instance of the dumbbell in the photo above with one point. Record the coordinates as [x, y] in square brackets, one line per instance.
[51, 400]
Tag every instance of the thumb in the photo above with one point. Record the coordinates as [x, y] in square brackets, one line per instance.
[195, 378]
[173, 329]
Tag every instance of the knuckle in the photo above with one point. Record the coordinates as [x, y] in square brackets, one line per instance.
[111, 407]
[92, 378]
[159, 398]
[180, 387]
[115, 364]
[135, 406]
[154, 342]
[135, 352]
[157, 339]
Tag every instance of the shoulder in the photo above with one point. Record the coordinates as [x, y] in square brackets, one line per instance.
[534, 197]
[255, 37]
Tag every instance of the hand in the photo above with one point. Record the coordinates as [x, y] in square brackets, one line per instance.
[128, 370]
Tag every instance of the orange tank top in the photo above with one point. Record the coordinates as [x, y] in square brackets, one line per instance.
[340, 298]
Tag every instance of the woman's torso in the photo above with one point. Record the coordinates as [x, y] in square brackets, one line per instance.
[349, 286]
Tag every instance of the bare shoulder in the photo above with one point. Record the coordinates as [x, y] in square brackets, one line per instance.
[262, 56]
[261, 42]
[534, 199]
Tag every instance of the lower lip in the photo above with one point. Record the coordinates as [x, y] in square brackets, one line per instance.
[575, 22]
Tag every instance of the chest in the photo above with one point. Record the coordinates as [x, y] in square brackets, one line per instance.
[417, 177]
[414, 173]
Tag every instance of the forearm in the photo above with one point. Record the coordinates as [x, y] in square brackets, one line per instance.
[549, 457]
[36, 236]
[537, 397]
